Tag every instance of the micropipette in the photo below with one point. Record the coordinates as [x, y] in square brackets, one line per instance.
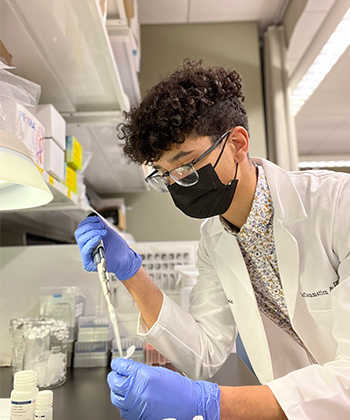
[99, 257]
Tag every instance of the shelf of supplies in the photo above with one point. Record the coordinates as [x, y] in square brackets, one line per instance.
[62, 194]
[56, 220]
[69, 53]
[63, 198]
[109, 170]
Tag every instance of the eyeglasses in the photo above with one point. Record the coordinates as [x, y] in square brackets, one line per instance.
[184, 175]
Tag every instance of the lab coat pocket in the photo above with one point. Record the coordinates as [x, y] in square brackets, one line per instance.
[323, 324]
[322, 316]
[320, 339]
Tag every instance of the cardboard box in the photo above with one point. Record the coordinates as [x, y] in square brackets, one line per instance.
[5, 56]
[129, 10]
[54, 159]
[74, 153]
[103, 7]
[32, 133]
[55, 125]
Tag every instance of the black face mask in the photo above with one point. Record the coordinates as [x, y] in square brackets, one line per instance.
[208, 198]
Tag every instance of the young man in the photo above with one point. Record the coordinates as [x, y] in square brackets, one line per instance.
[273, 261]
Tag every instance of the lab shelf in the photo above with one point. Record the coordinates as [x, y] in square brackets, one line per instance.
[52, 225]
[80, 76]
[64, 46]
[69, 53]
[126, 53]
[62, 195]
[56, 220]
[109, 170]
[63, 198]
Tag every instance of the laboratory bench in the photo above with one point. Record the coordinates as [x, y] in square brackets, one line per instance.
[86, 395]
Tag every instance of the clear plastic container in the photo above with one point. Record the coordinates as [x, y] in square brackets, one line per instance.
[97, 360]
[139, 353]
[91, 347]
[91, 354]
[64, 304]
[94, 328]
[40, 344]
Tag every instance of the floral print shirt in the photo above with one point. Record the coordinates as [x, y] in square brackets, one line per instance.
[256, 241]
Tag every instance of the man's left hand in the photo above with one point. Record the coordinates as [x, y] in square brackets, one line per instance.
[144, 392]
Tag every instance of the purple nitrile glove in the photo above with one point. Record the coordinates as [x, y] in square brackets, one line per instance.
[121, 259]
[144, 392]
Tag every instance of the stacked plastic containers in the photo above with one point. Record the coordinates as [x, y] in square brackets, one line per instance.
[137, 356]
[92, 349]
[64, 304]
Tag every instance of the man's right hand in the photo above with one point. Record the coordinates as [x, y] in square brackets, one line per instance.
[121, 259]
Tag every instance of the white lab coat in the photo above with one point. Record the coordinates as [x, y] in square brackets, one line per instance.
[312, 236]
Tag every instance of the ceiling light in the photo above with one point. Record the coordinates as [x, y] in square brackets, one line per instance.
[325, 164]
[337, 43]
[21, 184]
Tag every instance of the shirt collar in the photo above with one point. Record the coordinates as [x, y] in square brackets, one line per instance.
[261, 213]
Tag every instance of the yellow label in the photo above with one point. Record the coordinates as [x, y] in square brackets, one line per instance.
[71, 179]
[77, 154]
[69, 194]
[51, 180]
[41, 170]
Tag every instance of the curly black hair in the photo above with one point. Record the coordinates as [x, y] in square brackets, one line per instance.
[193, 101]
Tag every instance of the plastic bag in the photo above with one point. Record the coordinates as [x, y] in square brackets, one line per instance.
[15, 90]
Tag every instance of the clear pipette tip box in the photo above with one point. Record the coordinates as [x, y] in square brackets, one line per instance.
[62, 303]
[94, 328]
[137, 356]
[91, 354]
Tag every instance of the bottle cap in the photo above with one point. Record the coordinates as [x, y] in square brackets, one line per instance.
[26, 379]
[43, 399]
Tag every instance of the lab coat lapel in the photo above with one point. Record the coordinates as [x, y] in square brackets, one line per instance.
[228, 250]
[236, 283]
[289, 209]
[288, 263]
